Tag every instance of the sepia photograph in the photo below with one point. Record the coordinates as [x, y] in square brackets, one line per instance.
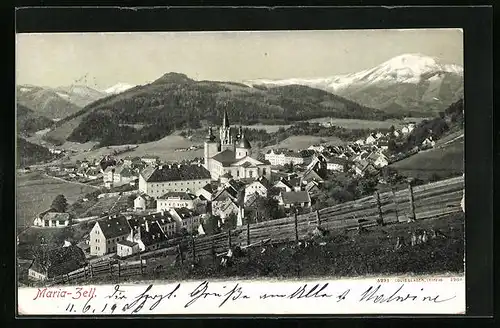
[158, 158]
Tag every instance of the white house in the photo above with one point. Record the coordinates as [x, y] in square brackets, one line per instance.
[106, 233]
[175, 199]
[282, 156]
[428, 142]
[139, 203]
[371, 139]
[317, 148]
[52, 219]
[258, 187]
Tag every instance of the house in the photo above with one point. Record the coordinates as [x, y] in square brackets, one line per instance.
[312, 175]
[52, 219]
[363, 167]
[295, 199]
[57, 262]
[126, 248]
[105, 162]
[185, 219]
[378, 159]
[317, 148]
[155, 182]
[383, 144]
[379, 135]
[313, 187]
[205, 192]
[139, 203]
[106, 233]
[283, 184]
[227, 207]
[428, 142]
[92, 173]
[371, 139]
[335, 163]
[147, 234]
[150, 160]
[175, 199]
[281, 157]
[258, 187]
[408, 128]
[360, 142]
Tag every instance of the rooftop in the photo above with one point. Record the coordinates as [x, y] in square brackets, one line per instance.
[114, 227]
[178, 173]
[292, 197]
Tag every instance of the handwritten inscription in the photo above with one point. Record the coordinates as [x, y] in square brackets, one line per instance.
[131, 300]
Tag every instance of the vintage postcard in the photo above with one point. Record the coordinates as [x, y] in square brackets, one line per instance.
[264, 172]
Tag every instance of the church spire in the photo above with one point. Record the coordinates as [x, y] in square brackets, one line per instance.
[225, 120]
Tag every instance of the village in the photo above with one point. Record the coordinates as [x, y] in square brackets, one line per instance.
[140, 204]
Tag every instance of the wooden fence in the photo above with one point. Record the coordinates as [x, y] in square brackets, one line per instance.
[414, 203]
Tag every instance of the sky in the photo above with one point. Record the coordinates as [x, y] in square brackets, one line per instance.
[101, 60]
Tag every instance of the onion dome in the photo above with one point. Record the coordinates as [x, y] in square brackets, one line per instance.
[244, 143]
[210, 135]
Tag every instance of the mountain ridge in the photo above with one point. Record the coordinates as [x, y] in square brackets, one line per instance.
[175, 101]
[380, 86]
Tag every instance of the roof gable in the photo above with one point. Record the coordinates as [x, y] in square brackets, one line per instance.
[114, 227]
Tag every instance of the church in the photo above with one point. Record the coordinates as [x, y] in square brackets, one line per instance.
[229, 157]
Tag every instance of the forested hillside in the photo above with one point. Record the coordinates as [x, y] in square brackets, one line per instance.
[29, 153]
[174, 101]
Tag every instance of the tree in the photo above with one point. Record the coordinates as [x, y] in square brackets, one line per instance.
[60, 204]
[230, 221]
[211, 224]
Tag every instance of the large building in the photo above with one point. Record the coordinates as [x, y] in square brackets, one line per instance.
[230, 155]
[157, 181]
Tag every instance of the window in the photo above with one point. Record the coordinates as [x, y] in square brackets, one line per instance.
[263, 171]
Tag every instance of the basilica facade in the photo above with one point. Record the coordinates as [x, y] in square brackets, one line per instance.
[229, 157]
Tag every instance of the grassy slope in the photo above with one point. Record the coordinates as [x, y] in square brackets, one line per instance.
[35, 193]
[443, 161]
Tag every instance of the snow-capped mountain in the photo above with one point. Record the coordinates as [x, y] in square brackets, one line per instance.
[56, 103]
[119, 88]
[80, 95]
[409, 81]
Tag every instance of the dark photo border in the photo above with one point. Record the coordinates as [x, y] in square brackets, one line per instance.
[478, 71]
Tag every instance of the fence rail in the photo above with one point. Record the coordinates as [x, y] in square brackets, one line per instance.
[420, 202]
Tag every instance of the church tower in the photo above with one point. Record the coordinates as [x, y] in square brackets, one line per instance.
[210, 148]
[226, 139]
[243, 146]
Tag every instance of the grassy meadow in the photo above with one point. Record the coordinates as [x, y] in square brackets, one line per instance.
[35, 193]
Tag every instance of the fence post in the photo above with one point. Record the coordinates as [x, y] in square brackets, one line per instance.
[193, 248]
[67, 277]
[119, 270]
[179, 249]
[410, 196]
[141, 264]
[110, 268]
[396, 206]
[91, 271]
[318, 218]
[248, 232]
[380, 220]
[229, 238]
[296, 226]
